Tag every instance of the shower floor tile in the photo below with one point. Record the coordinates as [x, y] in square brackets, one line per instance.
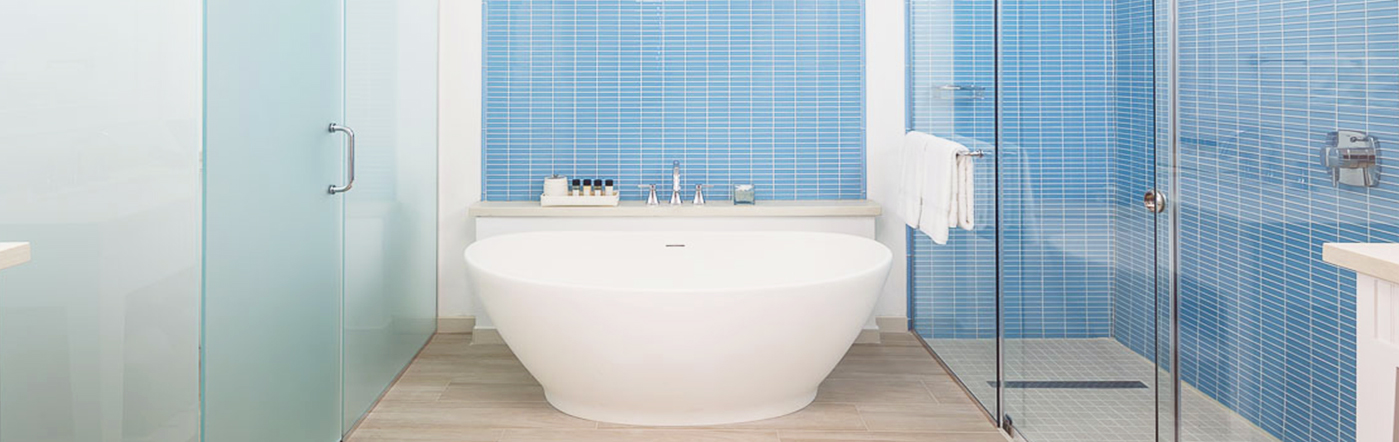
[1086, 415]
[461, 392]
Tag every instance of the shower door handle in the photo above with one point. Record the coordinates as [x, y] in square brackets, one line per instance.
[1155, 201]
[349, 158]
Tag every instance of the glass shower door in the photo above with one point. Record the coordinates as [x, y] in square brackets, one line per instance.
[272, 267]
[1079, 264]
[391, 214]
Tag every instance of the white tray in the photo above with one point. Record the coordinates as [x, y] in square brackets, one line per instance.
[580, 201]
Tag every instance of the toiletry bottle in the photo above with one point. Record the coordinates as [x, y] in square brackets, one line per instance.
[587, 187]
[610, 190]
[577, 187]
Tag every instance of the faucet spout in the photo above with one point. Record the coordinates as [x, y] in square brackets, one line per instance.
[675, 183]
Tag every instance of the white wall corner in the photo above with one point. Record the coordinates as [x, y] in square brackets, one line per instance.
[885, 117]
[459, 149]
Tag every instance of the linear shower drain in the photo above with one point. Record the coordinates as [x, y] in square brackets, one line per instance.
[1073, 384]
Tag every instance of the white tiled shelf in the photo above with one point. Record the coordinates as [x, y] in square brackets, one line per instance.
[630, 209]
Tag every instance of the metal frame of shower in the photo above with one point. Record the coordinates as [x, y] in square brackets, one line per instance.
[1171, 20]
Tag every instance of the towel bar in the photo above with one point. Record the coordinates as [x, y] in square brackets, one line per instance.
[973, 154]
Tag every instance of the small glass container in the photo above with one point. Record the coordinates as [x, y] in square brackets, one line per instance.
[745, 194]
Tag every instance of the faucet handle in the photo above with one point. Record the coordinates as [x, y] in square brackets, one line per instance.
[651, 199]
[699, 193]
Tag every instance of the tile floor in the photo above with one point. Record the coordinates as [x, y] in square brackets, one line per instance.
[458, 392]
[1087, 415]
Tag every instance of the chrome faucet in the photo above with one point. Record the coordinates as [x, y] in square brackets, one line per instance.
[675, 183]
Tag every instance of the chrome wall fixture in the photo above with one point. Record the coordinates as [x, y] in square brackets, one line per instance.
[949, 91]
[1352, 158]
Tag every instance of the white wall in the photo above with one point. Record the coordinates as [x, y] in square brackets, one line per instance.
[884, 130]
[459, 145]
[460, 142]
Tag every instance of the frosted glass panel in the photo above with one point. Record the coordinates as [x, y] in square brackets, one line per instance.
[391, 214]
[273, 267]
[99, 169]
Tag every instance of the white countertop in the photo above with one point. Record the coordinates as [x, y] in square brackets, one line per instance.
[1377, 260]
[532, 209]
[13, 254]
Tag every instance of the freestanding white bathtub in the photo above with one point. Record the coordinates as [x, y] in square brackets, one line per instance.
[678, 328]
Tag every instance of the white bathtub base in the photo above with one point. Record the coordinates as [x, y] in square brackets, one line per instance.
[605, 412]
[679, 328]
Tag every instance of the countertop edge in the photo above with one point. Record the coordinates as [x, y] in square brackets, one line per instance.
[13, 254]
[1379, 260]
[637, 209]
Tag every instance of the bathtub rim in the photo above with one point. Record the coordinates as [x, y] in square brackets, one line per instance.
[885, 262]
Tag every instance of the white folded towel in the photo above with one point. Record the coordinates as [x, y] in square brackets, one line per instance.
[963, 207]
[913, 173]
[939, 181]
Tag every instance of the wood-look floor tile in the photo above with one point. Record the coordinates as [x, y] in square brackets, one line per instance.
[872, 436]
[414, 389]
[813, 417]
[890, 352]
[450, 416]
[860, 367]
[456, 391]
[873, 391]
[947, 391]
[493, 392]
[640, 435]
[922, 417]
[424, 435]
[899, 339]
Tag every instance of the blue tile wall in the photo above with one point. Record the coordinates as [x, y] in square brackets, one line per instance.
[1267, 327]
[1054, 153]
[741, 91]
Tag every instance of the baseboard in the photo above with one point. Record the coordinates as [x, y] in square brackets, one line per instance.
[456, 324]
[486, 336]
[884, 324]
[891, 324]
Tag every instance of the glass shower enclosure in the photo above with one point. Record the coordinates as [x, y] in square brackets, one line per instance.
[1056, 312]
[1146, 262]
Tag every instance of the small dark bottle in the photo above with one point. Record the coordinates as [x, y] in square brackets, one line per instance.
[609, 189]
[577, 187]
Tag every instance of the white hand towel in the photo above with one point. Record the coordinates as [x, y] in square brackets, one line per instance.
[963, 190]
[939, 166]
[911, 181]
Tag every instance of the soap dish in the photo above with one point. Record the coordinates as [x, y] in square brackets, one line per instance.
[580, 201]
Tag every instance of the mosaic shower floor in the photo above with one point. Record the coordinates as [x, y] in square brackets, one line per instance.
[1086, 414]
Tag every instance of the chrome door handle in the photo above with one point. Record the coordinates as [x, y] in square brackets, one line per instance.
[349, 159]
[1155, 201]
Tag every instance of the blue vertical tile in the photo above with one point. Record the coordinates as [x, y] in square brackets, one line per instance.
[739, 91]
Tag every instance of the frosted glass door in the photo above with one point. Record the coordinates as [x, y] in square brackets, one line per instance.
[272, 232]
[391, 214]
